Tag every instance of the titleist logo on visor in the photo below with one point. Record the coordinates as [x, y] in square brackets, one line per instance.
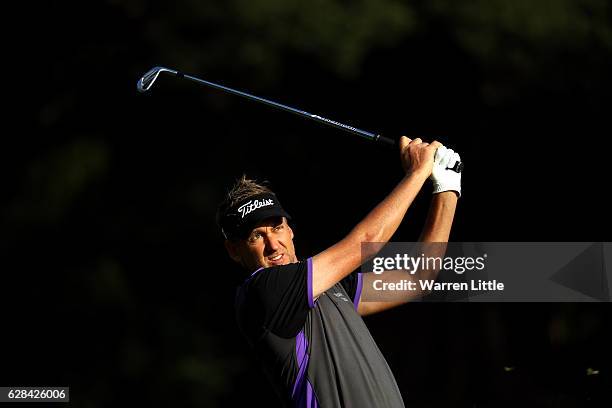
[252, 205]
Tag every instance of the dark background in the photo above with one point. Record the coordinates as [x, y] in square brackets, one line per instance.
[115, 278]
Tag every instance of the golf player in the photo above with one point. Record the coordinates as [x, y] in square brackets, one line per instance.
[302, 317]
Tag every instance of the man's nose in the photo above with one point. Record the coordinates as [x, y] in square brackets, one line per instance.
[272, 243]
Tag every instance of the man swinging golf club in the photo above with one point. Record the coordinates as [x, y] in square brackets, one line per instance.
[303, 317]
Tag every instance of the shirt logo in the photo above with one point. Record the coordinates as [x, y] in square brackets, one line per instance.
[341, 296]
[250, 206]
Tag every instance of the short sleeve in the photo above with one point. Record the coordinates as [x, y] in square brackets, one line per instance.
[284, 294]
[352, 284]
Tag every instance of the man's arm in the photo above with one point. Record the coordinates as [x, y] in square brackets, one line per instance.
[440, 218]
[336, 262]
[436, 230]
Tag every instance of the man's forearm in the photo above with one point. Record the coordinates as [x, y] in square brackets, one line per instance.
[440, 217]
[437, 230]
[382, 222]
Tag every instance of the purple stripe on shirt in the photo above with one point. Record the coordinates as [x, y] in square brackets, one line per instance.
[257, 271]
[303, 395]
[358, 291]
[254, 273]
[301, 354]
[309, 283]
[311, 398]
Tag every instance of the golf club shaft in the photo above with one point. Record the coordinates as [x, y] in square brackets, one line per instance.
[147, 80]
[363, 133]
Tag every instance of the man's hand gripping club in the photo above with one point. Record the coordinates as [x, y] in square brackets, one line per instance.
[434, 160]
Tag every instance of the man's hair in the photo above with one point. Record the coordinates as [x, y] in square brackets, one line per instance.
[243, 189]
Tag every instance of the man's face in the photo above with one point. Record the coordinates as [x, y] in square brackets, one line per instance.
[270, 243]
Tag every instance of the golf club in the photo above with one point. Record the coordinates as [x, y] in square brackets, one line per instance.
[146, 82]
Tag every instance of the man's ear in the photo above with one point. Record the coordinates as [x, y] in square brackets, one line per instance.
[232, 250]
[289, 226]
[286, 221]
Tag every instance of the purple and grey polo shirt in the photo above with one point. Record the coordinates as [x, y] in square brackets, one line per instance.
[316, 353]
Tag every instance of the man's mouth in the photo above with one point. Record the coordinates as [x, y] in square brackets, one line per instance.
[276, 258]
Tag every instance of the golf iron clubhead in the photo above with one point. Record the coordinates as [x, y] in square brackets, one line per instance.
[146, 82]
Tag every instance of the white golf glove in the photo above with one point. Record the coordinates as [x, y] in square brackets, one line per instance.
[445, 179]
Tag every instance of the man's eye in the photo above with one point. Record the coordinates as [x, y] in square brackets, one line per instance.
[255, 237]
[278, 227]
